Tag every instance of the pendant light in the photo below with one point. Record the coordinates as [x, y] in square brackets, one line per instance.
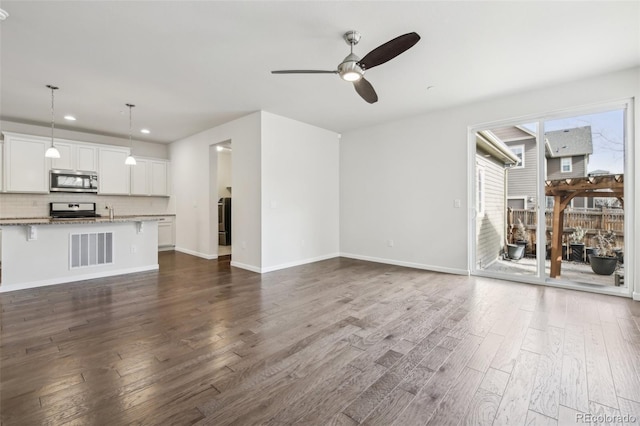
[52, 152]
[130, 161]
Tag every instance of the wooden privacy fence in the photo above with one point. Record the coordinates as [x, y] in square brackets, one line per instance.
[589, 219]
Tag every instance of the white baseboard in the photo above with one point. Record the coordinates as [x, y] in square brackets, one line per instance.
[245, 266]
[299, 262]
[636, 295]
[196, 253]
[444, 269]
[283, 265]
[62, 280]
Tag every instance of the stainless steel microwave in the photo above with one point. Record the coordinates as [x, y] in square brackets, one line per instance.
[73, 181]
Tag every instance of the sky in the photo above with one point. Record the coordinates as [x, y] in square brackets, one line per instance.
[607, 131]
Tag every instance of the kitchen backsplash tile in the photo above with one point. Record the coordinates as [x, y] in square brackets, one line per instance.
[31, 205]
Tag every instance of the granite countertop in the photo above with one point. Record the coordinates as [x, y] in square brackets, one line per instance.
[77, 221]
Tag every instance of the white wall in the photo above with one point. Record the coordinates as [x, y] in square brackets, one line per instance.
[399, 180]
[192, 166]
[224, 173]
[300, 186]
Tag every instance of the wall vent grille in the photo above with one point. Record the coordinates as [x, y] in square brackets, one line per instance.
[90, 249]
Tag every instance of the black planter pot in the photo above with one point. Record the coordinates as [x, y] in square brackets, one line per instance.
[602, 265]
[590, 251]
[515, 251]
[577, 252]
[523, 244]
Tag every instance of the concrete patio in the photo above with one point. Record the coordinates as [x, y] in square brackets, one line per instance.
[571, 271]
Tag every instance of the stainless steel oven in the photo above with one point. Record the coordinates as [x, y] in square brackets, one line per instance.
[73, 181]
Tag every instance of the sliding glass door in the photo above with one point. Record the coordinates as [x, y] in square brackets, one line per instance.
[585, 197]
[549, 198]
[506, 193]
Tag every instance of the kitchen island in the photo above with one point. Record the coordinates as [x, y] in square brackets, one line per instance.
[42, 251]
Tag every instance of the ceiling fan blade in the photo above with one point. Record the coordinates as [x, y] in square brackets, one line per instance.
[389, 50]
[303, 72]
[366, 90]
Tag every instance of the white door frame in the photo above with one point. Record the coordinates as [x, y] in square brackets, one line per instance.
[630, 217]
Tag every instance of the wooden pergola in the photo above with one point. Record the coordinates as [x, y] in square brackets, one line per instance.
[563, 191]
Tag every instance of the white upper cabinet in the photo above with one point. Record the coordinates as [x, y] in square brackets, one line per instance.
[1, 168]
[113, 174]
[159, 178]
[76, 156]
[150, 177]
[139, 179]
[26, 169]
[86, 158]
[65, 162]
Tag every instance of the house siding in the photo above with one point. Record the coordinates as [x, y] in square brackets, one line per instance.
[510, 133]
[578, 167]
[522, 181]
[490, 225]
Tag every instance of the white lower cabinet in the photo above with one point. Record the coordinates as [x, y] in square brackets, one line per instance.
[166, 233]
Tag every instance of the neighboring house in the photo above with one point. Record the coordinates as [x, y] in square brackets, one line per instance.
[567, 154]
[521, 190]
[492, 159]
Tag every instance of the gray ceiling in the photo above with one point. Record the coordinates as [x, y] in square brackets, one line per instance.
[189, 66]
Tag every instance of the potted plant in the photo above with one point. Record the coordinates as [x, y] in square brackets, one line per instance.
[577, 245]
[604, 261]
[521, 235]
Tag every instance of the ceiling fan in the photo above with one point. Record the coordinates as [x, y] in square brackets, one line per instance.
[352, 68]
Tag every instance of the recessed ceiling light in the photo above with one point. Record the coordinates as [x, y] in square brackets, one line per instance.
[145, 131]
[3, 15]
[69, 117]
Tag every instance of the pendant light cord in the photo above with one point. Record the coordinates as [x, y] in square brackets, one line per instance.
[130, 127]
[53, 117]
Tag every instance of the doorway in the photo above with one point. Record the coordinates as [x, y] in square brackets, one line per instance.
[223, 196]
[562, 203]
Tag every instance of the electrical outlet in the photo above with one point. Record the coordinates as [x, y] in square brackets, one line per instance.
[390, 243]
[134, 249]
[457, 203]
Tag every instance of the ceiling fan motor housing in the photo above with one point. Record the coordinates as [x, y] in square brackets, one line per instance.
[349, 69]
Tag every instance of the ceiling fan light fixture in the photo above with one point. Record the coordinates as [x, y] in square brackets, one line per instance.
[351, 76]
[350, 71]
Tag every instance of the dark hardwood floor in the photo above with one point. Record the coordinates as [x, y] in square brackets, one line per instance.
[337, 342]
